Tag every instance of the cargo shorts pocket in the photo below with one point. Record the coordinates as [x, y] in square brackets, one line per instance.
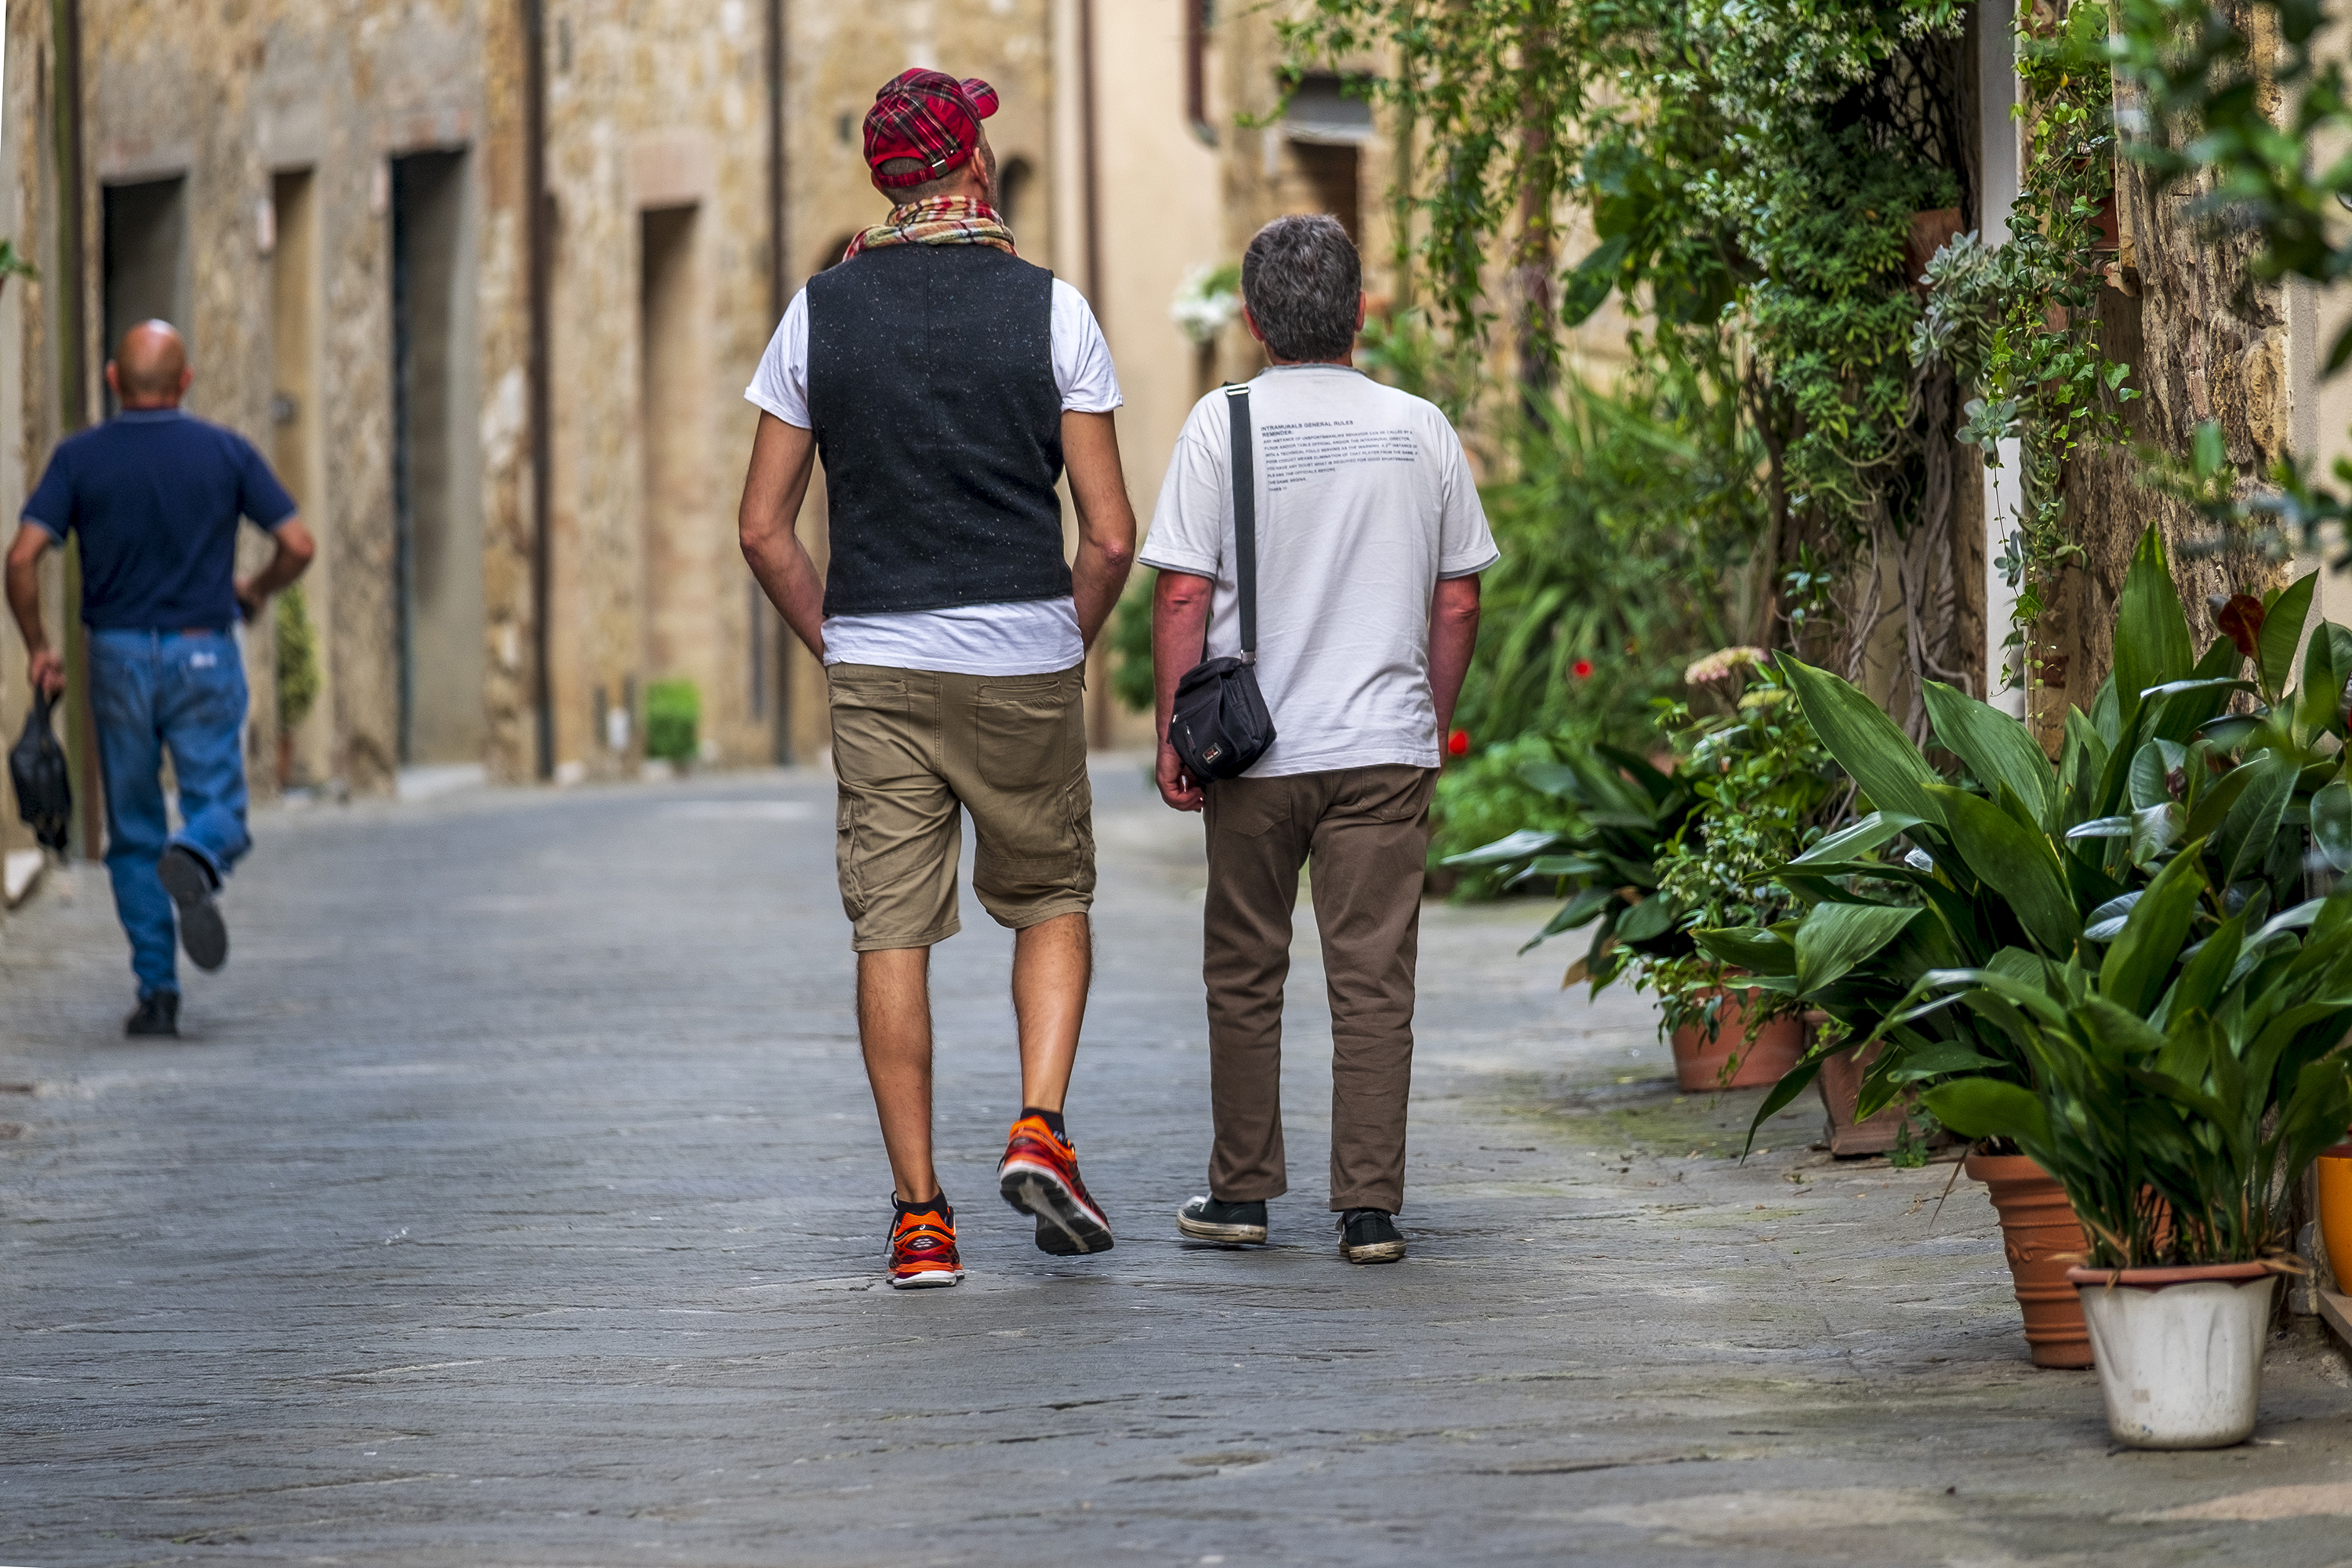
[1030, 732]
[846, 861]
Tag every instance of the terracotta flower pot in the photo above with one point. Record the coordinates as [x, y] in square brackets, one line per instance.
[2180, 1350]
[1704, 1064]
[2334, 1175]
[1841, 1086]
[2043, 1237]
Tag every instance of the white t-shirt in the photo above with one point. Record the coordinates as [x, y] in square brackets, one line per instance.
[1364, 501]
[1033, 636]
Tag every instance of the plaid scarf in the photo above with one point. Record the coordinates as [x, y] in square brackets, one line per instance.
[942, 220]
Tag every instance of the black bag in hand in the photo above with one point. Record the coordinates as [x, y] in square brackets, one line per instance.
[1220, 726]
[37, 767]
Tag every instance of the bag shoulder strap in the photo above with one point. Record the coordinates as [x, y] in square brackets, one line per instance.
[1245, 467]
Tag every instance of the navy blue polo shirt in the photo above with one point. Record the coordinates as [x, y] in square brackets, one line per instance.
[155, 495]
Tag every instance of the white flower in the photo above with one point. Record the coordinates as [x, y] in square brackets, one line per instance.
[1207, 301]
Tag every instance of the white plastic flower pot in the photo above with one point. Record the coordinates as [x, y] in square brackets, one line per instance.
[2179, 1350]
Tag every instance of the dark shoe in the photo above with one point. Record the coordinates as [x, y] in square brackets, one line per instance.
[1370, 1236]
[923, 1246]
[1227, 1225]
[190, 882]
[158, 1014]
[1039, 1176]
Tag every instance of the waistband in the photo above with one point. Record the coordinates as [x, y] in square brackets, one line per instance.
[153, 635]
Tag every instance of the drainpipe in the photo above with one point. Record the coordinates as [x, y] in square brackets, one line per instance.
[73, 399]
[779, 283]
[539, 262]
[1196, 69]
[1091, 192]
[1100, 719]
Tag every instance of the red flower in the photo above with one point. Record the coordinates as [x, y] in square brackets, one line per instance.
[1457, 745]
[1582, 670]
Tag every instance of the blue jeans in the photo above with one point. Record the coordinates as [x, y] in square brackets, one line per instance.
[185, 691]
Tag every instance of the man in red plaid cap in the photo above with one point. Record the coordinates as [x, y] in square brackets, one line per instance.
[947, 384]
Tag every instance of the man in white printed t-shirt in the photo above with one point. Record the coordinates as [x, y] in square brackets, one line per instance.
[946, 383]
[1369, 542]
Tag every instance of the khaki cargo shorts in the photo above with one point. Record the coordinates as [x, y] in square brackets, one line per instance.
[912, 751]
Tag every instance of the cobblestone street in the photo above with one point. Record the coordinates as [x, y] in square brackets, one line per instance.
[514, 1197]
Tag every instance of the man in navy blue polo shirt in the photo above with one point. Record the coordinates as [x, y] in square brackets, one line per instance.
[156, 496]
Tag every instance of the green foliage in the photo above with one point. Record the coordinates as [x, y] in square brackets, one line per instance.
[2180, 1125]
[673, 710]
[1626, 512]
[2017, 324]
[13, 263]
[297, 641]
[1650, 856]
[1830, 316]
[1485, 797]
[2039, 866]
[1130, 644]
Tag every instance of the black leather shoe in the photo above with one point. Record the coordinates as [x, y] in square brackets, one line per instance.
[158, 1014]
[1369, 1236]
[191, 884]
[1227, 1225]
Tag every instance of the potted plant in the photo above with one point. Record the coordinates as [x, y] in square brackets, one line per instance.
[2028, 862]
[1654, 855]
[2181, 1084]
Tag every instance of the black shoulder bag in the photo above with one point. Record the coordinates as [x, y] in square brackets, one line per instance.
[1220, 727]
[37, 767]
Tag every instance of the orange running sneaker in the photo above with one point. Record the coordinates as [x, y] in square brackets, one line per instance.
[922, 1247]
[1039, 1176]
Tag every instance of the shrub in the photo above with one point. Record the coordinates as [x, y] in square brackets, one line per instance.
[673, 710]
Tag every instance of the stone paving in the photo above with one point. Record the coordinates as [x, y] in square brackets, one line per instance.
[514, 1198]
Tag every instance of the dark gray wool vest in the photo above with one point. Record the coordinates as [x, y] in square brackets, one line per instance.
[931, 392]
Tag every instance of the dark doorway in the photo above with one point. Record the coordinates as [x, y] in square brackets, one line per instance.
[434, 469]
[1334, 180]
[146, 252]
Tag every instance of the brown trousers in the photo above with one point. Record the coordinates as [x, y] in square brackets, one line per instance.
[1366, 833]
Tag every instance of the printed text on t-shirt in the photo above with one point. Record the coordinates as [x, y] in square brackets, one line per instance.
[1308, 450]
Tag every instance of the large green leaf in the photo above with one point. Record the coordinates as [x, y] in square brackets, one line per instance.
[2016, 862]
[2252, 820]
[2283, 622]
[1865, 741]
[1751, 947]
[2151, 771]
[2152, 643]
[1856, 839]
[1518, 845]
[1835, 937]
[1651, 917]
[1984, 1107]
[2132, 975]
[1995, 746]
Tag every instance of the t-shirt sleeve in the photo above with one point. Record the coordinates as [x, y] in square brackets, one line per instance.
[1465, 546]
[1082, 369]
[779, 383]
[1188, 524]
[51, 507]
[260, 496]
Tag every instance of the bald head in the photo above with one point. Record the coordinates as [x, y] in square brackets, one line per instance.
[150, 369]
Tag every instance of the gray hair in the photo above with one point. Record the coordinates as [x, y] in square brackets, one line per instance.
[1303, 281]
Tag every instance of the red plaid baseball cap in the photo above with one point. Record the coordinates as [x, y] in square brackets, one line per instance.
[928, 116]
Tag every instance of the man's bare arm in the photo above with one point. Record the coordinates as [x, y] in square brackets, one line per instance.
[295, 550]
[783, 457]
[1180, 624]
[24, 573]
[1453, 639]
[1105, 521]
